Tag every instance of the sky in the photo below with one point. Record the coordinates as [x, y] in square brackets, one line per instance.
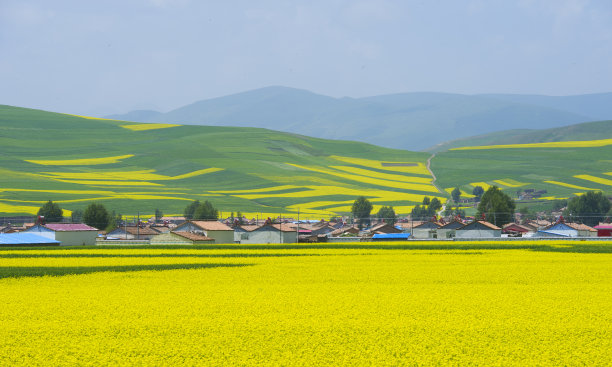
[103, 57]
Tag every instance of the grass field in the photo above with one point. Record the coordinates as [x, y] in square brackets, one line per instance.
[562, 171]
[533, 303]
[75, 160]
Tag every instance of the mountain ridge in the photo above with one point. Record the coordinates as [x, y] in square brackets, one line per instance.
[412, 121]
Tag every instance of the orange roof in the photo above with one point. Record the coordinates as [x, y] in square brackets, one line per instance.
[581, 227]
[283, 227]
[211, 225]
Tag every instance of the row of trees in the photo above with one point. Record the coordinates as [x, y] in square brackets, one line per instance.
[495, 206]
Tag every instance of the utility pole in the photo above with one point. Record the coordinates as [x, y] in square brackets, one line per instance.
[297, 235]
[138, 228]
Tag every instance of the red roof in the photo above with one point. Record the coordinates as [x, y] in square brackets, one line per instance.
[69, 227]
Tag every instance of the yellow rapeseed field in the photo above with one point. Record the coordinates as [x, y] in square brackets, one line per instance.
[484, 185]
[409, 167]
[81, 162]
[143, 127]
[599, 180]
[364, 305]
[564, 184]
[556, 144]
[509, 182]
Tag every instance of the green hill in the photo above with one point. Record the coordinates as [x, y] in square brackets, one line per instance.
[412, 121]
[583, 131]
[133, 167]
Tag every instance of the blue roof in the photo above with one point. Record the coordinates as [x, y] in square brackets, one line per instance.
[22, 238]
[391, 235]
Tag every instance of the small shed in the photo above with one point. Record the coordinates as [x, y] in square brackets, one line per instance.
[68, 234]
[583, 230]
[218, 231]
[270, 233]
[180, 238]
[517, 230]
[20, 239]
[604, 230]
[478, 229]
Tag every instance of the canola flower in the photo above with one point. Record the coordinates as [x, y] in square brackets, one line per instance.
[556, 144]
[372, 181]
[144, 127]
[142, 175]
[464, 194]
[408, 167]
[509, 183]
[81, 162]
[571, 186]
[484, 185]
[384, 176]
[354, 306]
[599, 180]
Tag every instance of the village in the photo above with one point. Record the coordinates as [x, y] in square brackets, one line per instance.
[180, 231]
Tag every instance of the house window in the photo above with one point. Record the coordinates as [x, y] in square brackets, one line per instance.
[244, 236]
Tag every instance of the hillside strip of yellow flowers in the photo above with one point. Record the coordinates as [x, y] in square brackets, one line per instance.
[369, 305]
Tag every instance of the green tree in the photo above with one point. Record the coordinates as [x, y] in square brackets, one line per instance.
[76, 216]
[205, 211]
[590, 208]
[387, 214]
[478, 191]
[190, 209]
[496, 206]
[426, 200]
[239, 216]
[51, 211]
[456, 194]
[361, 210]
[434, 206]
[158, 215]
[96, 215]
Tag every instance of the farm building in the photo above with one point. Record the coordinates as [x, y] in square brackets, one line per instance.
[426, 230]
[270, 233]
[449, 229]
[604, 230]
[218, 231]
[68, 234]
[562, 229]
[25, 239]
[478, 229]
[180, 238]
[350, 230]
[132, 233]
[384, 228]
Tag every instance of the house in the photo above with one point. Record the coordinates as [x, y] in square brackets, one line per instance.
[218, 231]
[384, 228]
[449, 229]
[426, 230]
[25, 239]
[180, 238]
[132, 233]
[69, 234]
[583, 230]
[604, 230]
[478, 229]
[269, 233]
[345, 231]
[557, 230]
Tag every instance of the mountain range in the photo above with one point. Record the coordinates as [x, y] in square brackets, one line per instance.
[413, 121]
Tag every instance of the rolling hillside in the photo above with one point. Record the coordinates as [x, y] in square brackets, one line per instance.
[584, 131]
[132, 167]
[412, 121]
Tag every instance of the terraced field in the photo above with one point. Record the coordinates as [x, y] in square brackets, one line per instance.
[75, 160]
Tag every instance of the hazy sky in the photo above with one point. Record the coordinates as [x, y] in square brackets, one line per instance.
[103, 57]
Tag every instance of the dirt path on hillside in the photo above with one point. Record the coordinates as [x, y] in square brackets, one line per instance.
[433, 174]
